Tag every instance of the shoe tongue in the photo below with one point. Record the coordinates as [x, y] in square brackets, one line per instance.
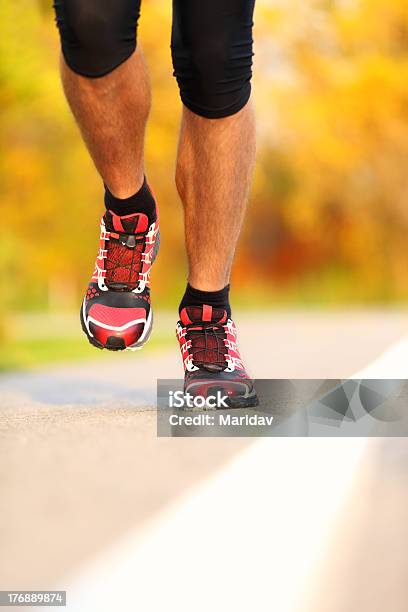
[202, 314]
[128, 224]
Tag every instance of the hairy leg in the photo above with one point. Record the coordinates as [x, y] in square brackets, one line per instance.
[112, 112]
[213, 176]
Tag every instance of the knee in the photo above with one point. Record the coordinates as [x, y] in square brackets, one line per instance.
[93, 41]
[214, 75]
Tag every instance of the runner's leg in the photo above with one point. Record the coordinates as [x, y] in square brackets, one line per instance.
[212, 55]
[107, 86]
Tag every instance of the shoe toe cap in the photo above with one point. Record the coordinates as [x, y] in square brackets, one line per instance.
[117, 328]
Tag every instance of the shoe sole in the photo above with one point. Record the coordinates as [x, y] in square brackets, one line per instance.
[116, 343]
[239, 401]
[243, 402]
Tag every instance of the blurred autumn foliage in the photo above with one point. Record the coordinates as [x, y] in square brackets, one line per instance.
[328, 218]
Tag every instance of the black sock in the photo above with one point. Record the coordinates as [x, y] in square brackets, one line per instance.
[216, 299]
[141, 202]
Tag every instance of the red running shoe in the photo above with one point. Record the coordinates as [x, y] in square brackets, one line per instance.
[212, 363]
[116, 313]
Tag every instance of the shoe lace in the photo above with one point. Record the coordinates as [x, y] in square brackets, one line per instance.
[124, 260]
[207, 346]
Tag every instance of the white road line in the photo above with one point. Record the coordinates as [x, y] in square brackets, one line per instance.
[392, 364]
[246, 539]
[249, 538]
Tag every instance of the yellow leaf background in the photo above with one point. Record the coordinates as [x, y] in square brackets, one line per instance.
[328, 216]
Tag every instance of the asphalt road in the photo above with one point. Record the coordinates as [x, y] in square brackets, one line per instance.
[80, 464]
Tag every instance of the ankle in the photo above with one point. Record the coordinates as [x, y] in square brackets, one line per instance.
[142, 201]
[122, 190]
[197, 297]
